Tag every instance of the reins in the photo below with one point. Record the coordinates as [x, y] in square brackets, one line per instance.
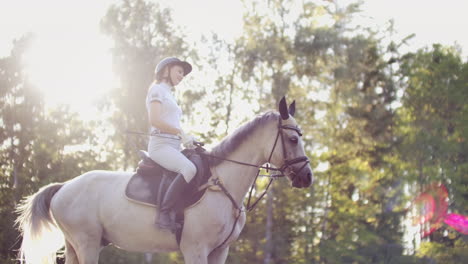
[242, 163]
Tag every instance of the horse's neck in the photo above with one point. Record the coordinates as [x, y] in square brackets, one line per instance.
[238, 178]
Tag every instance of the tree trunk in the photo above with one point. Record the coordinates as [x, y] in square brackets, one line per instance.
[269, 229]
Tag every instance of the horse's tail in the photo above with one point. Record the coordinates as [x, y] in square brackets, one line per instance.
[41, 236]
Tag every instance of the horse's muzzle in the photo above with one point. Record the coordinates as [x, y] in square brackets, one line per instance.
[304, 178]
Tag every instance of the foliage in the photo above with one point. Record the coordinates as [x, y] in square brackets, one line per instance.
[39, 145]
[378, 125]
[443, 254]
[143, 33]
[433, 120]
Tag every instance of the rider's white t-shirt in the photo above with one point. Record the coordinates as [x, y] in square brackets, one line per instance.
[171, 113]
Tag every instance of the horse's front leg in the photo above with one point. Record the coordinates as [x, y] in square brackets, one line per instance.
[194, 254]
[218, 256]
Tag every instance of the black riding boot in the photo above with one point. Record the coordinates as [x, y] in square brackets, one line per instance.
[175, 190]
[163, 186]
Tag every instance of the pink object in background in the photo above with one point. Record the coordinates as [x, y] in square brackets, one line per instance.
[431, 208]
[458, 222]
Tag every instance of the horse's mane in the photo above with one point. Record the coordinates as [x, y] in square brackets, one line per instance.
[231, 142]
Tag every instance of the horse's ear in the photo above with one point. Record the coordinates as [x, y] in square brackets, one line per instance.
[292, 108]
[283, 109]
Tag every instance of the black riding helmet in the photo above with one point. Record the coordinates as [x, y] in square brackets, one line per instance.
[170, 61]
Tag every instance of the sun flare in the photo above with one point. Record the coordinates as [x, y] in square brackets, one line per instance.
[69, 72]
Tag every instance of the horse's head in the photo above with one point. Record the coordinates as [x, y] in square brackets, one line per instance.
[288, 152]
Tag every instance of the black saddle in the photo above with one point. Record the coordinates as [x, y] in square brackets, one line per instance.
[143, 186]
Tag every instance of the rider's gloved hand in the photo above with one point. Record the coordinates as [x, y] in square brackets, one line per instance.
[187, 140]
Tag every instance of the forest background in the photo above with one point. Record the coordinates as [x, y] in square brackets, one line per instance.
[380, 123]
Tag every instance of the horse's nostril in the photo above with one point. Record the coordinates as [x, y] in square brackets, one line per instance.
[309, 177]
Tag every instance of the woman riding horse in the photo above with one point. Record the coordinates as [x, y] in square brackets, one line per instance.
[166, 133]
[91, 211]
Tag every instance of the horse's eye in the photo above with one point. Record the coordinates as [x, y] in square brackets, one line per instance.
[294, 140]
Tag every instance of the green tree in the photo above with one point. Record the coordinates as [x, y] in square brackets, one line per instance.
[143, 33]
[38, 145]
[434, 125]
[265, 59]
[294, 54]
[357, 217]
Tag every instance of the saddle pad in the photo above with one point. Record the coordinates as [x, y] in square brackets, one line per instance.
[143, 189]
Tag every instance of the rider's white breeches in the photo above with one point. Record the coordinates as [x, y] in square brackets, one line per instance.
[166, 152]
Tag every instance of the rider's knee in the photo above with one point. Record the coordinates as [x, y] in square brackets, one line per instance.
[189, 171]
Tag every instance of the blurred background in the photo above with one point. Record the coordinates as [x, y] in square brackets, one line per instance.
[381, 89]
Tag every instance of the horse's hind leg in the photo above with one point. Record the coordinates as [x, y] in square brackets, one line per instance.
[87, 248]
[70, 254]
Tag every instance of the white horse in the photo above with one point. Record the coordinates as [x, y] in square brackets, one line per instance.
[90, 211]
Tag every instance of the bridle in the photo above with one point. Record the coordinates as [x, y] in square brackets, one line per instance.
[287, 162]
[285, 169]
